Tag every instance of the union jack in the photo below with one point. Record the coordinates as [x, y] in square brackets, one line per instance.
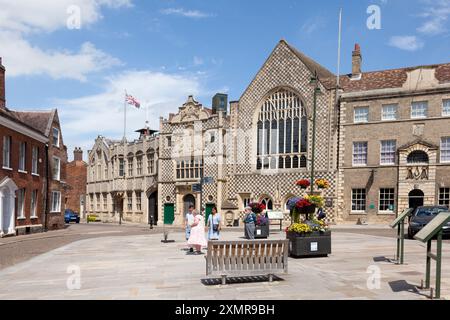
[132, 101]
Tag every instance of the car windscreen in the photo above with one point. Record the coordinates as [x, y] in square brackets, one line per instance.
[427, 212]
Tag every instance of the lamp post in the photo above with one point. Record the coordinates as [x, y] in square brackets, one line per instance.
[314, 82]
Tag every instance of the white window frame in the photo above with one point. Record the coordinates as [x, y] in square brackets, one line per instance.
[58, 175]
[121, 167]
[384, 113]
[138, 201]
[383, 151]
[446, 107]
[34, 199]
[22, 157]
[129, 201]
[139, 161]
[56, 206]
[35, 160]
[445, 149]
[21, 203]
[354, 199]
[353, 154]
[357, 117]
[444, 197]
[386, 199]
[7, 152]
[58, 137]
[414, 114]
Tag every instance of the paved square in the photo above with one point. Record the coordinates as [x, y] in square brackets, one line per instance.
[141, 267]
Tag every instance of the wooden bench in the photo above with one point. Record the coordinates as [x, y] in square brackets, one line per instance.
[247, 258]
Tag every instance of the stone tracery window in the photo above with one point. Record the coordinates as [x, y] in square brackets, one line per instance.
[282, 132]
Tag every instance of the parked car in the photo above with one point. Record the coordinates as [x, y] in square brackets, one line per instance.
[421, 216]
[71, 216]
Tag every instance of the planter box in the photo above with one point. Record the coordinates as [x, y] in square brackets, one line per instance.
[309, 245]
[262, 232]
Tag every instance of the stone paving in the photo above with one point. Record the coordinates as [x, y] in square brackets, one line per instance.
[141, 267]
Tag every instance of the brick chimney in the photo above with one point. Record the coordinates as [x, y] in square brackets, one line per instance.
[356, 61]
[78, 154]
[2, 85]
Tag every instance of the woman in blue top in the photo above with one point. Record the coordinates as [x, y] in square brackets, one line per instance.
[213, 225]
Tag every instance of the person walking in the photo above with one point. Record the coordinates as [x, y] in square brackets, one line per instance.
[189, 220]
[250, 221]
[214, 225]
[197, 238]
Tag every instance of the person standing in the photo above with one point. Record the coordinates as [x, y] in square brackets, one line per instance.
[214, 225]
[189, 220]
[197, 238]
[250, 221]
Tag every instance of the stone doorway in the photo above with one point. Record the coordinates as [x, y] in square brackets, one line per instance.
[416, 198]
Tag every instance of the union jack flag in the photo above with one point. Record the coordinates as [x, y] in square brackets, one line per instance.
[132, 101]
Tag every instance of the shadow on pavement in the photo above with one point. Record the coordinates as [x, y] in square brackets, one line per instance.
[237, 280]
[383, 259]
[402, 285]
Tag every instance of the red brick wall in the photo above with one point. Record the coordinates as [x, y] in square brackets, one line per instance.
[2, 85]
[25, 180]
[76, 179]
[55, 220]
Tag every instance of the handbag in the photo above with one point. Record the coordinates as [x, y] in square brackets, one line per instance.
[215, 227]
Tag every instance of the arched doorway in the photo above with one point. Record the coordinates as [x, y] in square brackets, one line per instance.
[416, 198]
[188, 200]
[7, 207]
[153, 208]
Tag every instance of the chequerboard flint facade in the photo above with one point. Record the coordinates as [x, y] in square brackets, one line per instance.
[382, 141]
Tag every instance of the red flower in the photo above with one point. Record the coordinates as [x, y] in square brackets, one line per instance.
[302, 203]
[304, 183]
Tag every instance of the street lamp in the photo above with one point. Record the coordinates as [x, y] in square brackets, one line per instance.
[315, 83]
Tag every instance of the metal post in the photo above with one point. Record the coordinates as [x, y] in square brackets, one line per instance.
[427, 275]
[402, 241]
[398, 243]
[313, 147]
[438, 265]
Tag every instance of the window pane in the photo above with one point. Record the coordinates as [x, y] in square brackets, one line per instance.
[444, 197]
[446, 107]
[360, 153]
[388, 152]
[445, 149]
[387, 200]
[358, 200]
[361, 114]
[389, 112]
[419, 109]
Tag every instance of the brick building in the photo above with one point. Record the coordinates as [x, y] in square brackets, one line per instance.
[76, 173]
[50, 154]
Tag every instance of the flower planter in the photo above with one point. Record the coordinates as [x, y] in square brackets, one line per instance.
[307, 209]
[313, 244]
[262, 232]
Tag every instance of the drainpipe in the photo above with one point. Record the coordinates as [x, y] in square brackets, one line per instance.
[47, 188]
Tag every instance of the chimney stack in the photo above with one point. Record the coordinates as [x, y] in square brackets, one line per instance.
[356, 61]
[2, 86]
[78, 154]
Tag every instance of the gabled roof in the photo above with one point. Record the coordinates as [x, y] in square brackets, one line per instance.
[17, 117]
[312, 65]
[418, 141]
[39, 120]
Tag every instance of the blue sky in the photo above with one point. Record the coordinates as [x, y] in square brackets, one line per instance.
[161, 51]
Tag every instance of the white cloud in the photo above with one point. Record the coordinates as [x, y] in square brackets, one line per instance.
[20, 20]
[198, 61]
[312, 25]
[21, 58]
[185, 13]
[408, 43]
[27, 16]
[436, 14]
[163, 93]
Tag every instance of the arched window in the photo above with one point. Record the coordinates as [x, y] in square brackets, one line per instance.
[268, 203]
[418, 157]
[282, 132]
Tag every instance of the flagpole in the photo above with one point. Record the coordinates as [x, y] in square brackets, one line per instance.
[125, 117]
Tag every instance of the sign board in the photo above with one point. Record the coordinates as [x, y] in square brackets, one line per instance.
[208, 180]
[329, 202]
[275, 215]
[258, 232]
[196, 188]
[433, 227]
[401, 217]
[314, 246]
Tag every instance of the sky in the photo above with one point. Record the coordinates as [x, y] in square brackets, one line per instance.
[80, 56]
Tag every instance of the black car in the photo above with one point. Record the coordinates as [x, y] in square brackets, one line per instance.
[422, 215]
